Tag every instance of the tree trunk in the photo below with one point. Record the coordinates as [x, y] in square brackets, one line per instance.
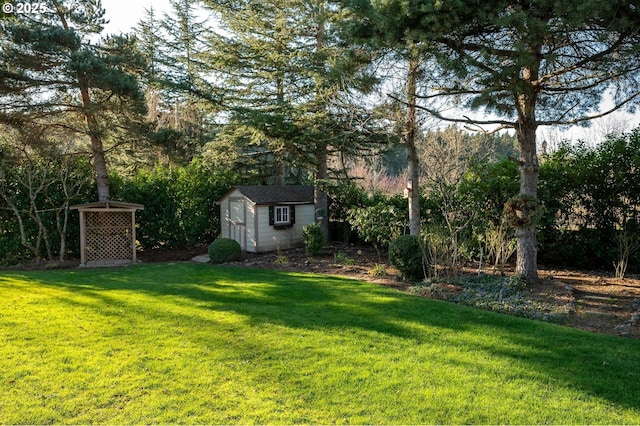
[321, 148]
[413, 188]
[321, 200]
[527, 257]
[280, 166]
[97, 149]
[413, 183]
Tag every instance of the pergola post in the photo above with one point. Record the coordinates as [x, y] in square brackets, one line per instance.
[133, 235]
[83, 239]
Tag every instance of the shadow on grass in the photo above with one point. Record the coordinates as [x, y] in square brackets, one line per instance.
[606, 367]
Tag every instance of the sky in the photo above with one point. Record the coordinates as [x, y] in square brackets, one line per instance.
[125, 14]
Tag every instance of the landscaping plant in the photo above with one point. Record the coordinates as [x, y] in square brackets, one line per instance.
[406, 254]
[224, 250]
[313, 239]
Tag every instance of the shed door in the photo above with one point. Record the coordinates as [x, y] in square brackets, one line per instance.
[237, 222]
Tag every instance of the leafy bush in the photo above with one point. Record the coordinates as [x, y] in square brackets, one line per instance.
[590, 195]
[178, 204]
[486, 187]
[405, 253]
[381, 221]
[313, 239]
[344, 195]
[224, 250]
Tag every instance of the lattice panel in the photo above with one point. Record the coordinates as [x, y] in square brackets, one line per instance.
[108, 235]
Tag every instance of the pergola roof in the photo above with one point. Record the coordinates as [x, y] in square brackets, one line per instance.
[108, 205]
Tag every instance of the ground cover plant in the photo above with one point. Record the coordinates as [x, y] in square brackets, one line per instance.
[508, 295]
[191, 343]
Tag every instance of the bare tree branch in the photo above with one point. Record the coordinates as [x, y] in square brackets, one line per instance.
[578, 120]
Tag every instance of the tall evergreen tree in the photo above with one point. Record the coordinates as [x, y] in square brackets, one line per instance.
[287, 74]
[52, 69]
[182, 94]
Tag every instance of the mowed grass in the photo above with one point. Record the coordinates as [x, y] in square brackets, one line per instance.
[190, 343]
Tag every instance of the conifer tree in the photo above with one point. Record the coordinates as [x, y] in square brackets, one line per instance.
[51, 68]
[182, 96]
[287, 74]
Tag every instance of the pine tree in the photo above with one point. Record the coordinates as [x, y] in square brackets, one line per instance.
[287, 74]
[52, 69]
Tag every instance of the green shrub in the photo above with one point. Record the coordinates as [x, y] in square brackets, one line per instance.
[224, 250]
[313, 239]
[178, 204]
[367, 220]
[405, 253]
[343, 259]
[378, 270]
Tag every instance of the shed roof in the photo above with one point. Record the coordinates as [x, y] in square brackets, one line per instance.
[263, 194]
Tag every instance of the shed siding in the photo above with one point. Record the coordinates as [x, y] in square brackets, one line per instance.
[251, 226]
[224, 216]
[270, 239]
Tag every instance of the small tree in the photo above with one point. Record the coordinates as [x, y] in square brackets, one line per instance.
[313, 239]
[627, 246]
[380, 223]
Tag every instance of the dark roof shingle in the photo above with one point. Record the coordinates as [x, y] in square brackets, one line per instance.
[288, 194]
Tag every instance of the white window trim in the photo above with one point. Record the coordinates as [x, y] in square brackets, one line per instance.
[281, 210]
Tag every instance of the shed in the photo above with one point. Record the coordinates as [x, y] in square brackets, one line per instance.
[107, 233]
[266, 218]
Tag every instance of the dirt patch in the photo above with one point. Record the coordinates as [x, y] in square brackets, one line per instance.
[598, 301]
[594, 301]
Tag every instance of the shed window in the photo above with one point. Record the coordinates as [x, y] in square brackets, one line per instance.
[282, 215]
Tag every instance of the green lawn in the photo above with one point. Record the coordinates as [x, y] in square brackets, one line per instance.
[191, 343]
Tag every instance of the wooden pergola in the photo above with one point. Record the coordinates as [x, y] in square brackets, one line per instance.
[107, 233]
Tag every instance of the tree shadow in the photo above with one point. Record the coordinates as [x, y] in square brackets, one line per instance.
[605, 367]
